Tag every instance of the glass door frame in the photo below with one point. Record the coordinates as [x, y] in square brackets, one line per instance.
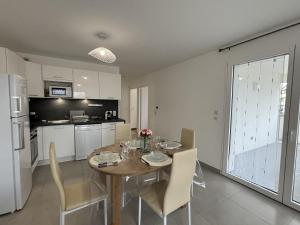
[293, 136]
[229, 93]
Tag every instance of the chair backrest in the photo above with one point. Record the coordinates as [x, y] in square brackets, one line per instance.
[178, 191]
[187, 138]
[57, 176]
[123, 132]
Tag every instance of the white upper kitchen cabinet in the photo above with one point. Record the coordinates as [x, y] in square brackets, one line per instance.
[63, 138]
[110, 86]
[56, 73]
[35, 84]
[14, 63]
[86, 84]
[2, 60]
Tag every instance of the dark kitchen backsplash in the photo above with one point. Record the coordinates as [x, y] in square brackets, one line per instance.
[59, 108]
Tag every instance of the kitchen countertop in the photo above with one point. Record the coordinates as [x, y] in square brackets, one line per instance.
[41, 124]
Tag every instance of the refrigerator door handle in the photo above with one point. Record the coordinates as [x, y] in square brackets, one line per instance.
[18, 105]
[20, 136]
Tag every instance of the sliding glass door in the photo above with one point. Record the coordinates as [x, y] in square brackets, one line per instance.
[258, 124]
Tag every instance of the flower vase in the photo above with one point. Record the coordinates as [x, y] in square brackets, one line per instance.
[144, 147]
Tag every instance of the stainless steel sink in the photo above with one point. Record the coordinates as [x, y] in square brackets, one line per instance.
[58, 121]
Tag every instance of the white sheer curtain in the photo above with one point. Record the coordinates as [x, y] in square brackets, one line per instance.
[258, 97]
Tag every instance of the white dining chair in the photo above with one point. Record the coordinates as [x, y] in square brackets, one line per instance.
[77, 195]
[164, 197]
[188, 140]
[123, 133]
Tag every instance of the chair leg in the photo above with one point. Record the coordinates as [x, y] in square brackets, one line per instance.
[105, 211]
[192, 189]
[62, 218]
[123, 199]
[157, 175]
[140, 210]
[165, 220]
[189, 213]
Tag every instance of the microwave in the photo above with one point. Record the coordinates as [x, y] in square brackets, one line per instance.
[60, 91]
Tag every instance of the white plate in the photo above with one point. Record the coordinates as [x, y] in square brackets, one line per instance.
[171, 145]
[156, 157]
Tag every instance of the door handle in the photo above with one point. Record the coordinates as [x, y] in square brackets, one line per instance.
[20, 135]
[18, 105]
[293, 135]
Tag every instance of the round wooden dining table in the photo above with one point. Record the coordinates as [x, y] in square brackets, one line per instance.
[133, 166]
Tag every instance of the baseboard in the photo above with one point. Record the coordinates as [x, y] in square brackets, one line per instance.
[204, 165]
[62, 159]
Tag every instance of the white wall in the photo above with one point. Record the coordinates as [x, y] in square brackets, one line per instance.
[194, 93]
[124, 103]
[143, 108]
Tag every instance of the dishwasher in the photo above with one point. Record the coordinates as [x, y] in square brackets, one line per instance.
[87, 139]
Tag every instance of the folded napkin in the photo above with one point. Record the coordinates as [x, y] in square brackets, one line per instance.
[105, 159]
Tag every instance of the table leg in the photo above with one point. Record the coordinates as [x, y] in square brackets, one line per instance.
[116, 192]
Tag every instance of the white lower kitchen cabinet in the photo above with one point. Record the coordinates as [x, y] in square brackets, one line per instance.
[108, 134]
[63, 138]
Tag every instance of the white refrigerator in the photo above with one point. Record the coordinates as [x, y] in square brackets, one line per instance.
[15, 157]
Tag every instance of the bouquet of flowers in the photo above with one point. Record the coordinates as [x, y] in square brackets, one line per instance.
[145, 133]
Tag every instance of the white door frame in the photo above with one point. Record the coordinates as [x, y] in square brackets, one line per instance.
[293, 136]
[141, 109]
[263, 55]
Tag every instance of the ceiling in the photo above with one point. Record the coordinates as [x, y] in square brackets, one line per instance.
[146, 35]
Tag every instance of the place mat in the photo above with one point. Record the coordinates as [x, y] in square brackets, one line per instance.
[105, 159]
[156, 159]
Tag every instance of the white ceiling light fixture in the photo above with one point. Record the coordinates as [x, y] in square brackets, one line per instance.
[103, 54]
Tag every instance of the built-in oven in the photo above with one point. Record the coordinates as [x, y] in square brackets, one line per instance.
[33, 146]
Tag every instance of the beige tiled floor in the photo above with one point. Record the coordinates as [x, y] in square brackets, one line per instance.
[223, 202]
